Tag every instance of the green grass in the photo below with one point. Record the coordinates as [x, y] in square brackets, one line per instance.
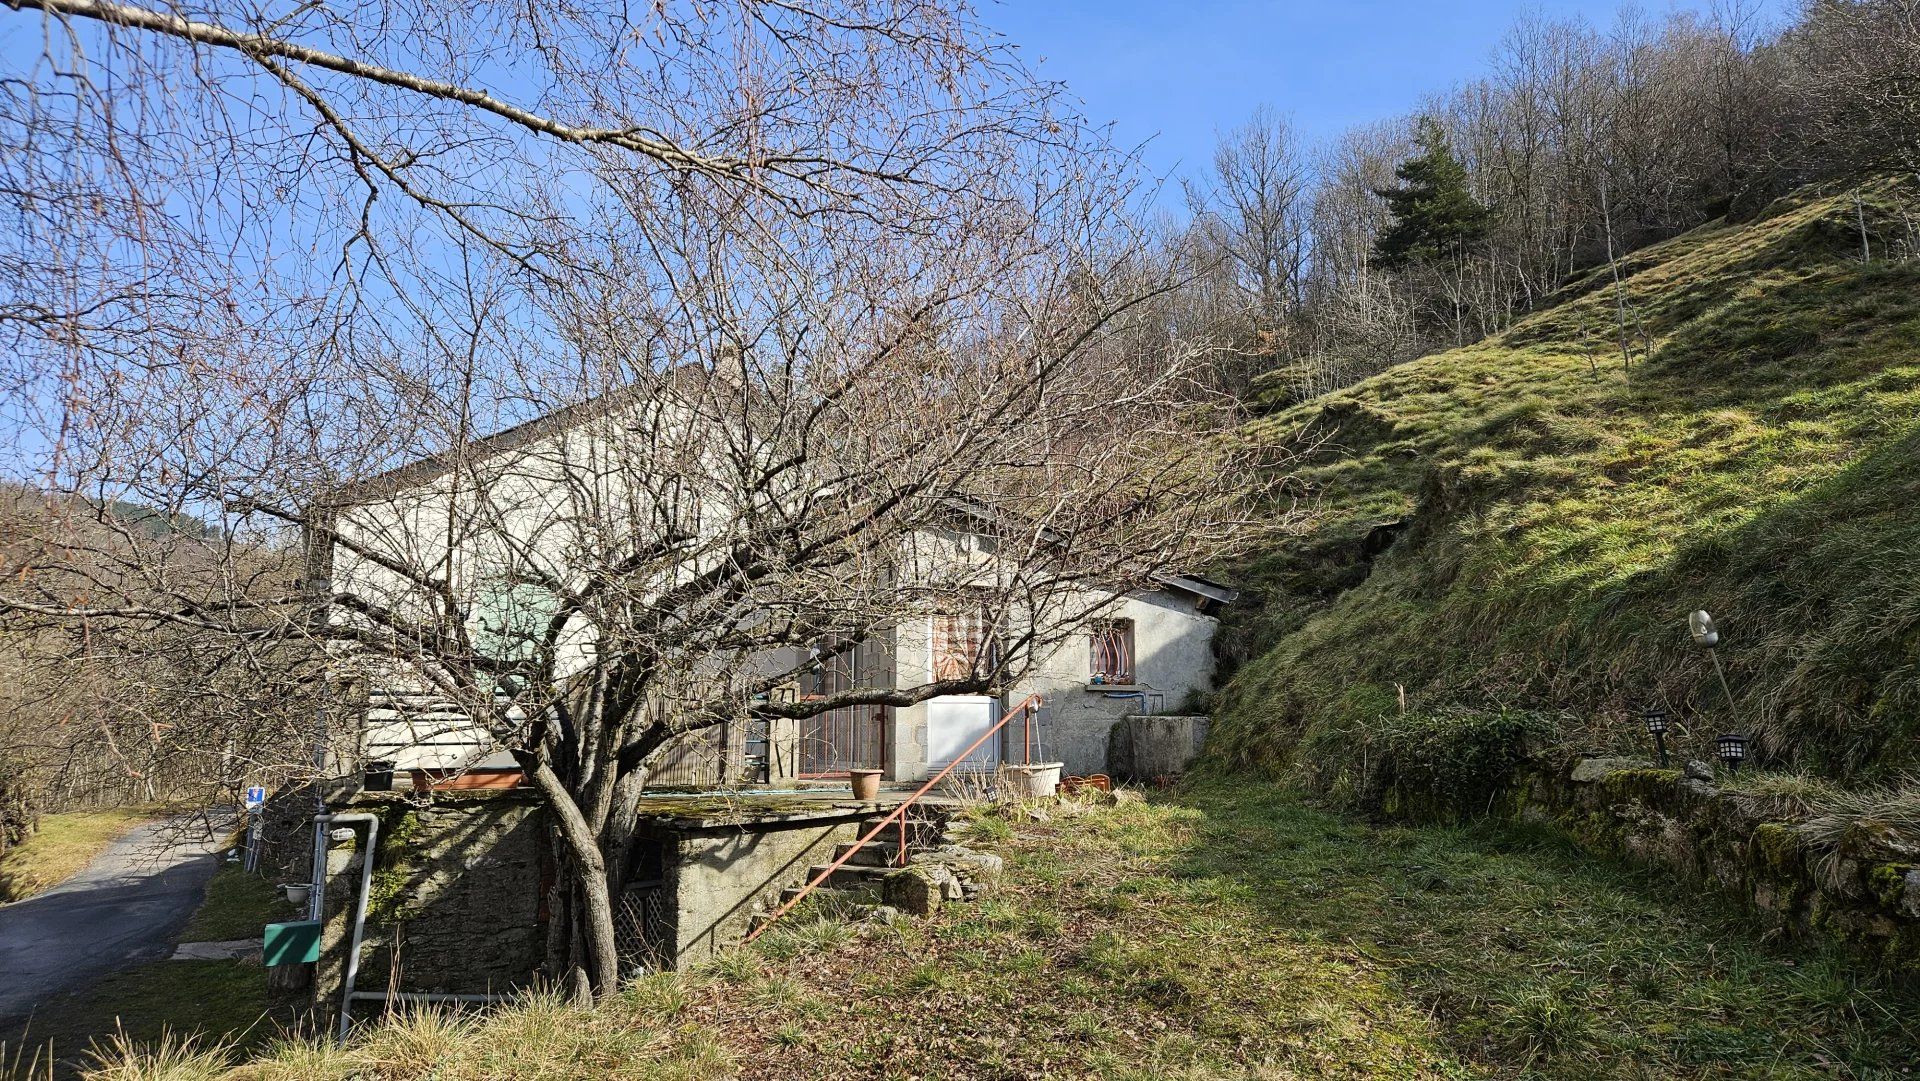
[215, 1001]
[1559, 515]
[63, 844]
[1224, 931]
[237, 905]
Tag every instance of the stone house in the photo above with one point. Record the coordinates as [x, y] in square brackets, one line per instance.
[446, 891]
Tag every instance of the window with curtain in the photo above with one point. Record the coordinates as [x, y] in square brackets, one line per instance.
[957, 640]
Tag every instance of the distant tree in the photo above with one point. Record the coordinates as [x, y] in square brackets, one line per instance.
[1853, 66]
[1250, 215]
[1435, 216]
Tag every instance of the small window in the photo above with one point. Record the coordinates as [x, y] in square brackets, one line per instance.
[957, 644]
[1111, 651]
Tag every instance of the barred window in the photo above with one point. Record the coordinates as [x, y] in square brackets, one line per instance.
[1110, 651]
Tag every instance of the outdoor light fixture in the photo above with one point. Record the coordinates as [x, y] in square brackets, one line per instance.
[1656, 719]
[1700, 625]
[1707, 637]
[1733, 750]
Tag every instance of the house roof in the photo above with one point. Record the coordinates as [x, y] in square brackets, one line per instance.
[1204, 588]
[1199, 587]
[436, 466]
[415, 473]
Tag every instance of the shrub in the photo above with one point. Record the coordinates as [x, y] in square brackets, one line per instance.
[1449, 763]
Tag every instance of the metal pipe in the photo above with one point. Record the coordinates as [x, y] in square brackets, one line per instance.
[317, 898]
[359, 906]
[1733, 708]
[316, 907]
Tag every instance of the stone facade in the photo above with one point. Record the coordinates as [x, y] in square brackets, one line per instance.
[716, 872]
[460, 886]
[457, 903]
[1864, 891]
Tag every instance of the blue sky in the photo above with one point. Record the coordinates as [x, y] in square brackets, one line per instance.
[1178, 71]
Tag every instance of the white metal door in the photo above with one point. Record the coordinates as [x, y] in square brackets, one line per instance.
[954, 722]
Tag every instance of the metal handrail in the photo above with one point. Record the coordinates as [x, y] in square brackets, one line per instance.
[1028, 707]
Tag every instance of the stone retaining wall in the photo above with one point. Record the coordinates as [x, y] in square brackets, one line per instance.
[717, 876]
[457, 887]
[1864, 891]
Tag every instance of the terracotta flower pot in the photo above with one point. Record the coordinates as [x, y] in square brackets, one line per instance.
[866, 784]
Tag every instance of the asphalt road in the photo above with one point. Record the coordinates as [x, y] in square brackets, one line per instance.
[125, 908]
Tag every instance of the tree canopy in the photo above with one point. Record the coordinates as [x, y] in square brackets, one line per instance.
[1435, 216]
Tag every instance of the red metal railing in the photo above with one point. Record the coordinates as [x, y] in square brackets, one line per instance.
[1027, 709]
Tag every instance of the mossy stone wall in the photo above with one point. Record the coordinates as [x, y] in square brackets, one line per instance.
[1864, 891]
[456, 900]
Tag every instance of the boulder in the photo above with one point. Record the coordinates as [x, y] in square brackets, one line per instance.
[979, 867]
[919, 889]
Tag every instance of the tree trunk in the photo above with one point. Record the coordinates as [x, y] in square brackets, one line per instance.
[587, 868]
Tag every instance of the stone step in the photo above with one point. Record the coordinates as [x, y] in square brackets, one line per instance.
[849, 875]
[848, 878]
[877, 853]
[920, 831]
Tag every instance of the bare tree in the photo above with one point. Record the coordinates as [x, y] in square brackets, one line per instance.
[1852, 69]
[608, 388]
[1250, 218]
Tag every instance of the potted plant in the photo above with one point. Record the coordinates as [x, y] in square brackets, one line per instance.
[866, 784]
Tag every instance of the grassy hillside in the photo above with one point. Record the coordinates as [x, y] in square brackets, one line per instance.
[1512, 533]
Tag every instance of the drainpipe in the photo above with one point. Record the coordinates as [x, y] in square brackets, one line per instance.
[317, 896]
[321, 825]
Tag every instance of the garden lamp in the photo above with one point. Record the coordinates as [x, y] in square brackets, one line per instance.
[1732, 749]
[1656, 720]
[1707, 636]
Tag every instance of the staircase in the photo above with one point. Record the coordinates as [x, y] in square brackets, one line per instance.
[862, 877]
[858, 886]
[937, 870]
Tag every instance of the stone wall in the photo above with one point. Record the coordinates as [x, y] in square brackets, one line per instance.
[1864, 890]
[717, 876]
[1145, 749]
[458, 886]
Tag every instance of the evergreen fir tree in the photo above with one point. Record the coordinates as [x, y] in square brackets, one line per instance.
[1435, 217]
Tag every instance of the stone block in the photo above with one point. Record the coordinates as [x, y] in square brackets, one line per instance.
[1590, 770]
[919, 890]
[1145, 748]
[980, 866]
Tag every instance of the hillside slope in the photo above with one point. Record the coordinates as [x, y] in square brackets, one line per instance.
[1511, 534]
